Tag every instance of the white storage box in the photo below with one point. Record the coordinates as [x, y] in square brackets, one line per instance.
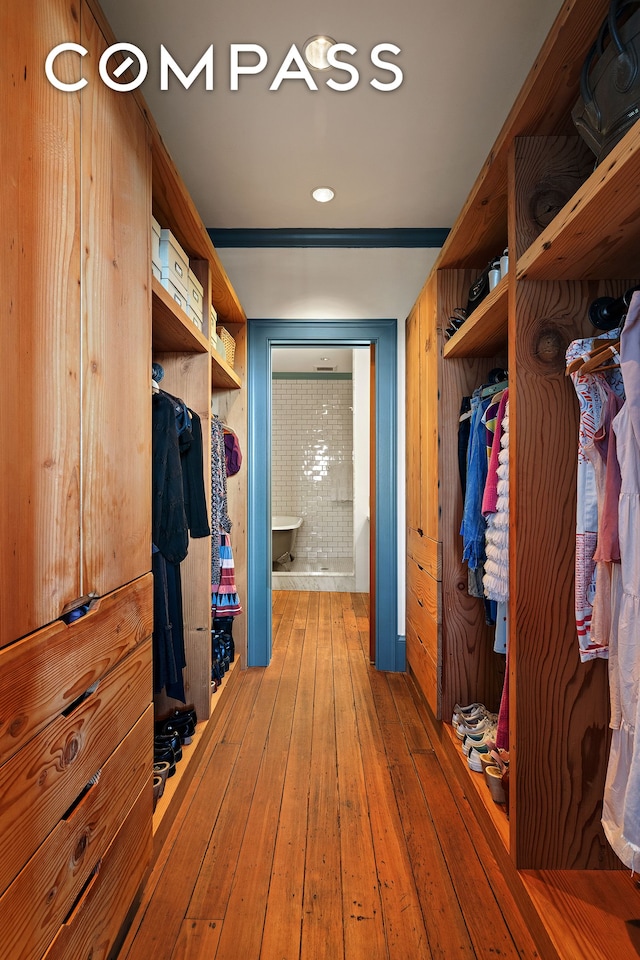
[155, 246]
[195, 317]
[174, 264]
[178, 295]
[195, 300]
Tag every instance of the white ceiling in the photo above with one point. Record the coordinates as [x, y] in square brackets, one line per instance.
[308, 359]
[405, 158]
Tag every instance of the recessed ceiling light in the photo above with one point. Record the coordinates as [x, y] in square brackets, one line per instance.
[315, 50]
[323, 194]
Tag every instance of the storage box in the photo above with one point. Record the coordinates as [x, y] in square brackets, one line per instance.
[178, 295]
[195, 299]
[174, 264]
[156, 271]
[155, 245]
[229, 345]
[195, 317]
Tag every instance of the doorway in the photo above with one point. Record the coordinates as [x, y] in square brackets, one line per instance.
[320, 458]
[381, 336]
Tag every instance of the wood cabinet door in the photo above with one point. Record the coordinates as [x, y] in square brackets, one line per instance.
[116, 312]
[413, 395]
[40, 325]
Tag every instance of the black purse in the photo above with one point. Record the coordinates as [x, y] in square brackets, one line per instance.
[609, 102]
[478, 290]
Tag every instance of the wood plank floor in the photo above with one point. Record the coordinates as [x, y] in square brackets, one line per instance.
[321, 823]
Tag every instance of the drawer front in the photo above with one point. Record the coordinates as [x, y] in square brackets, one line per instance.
[44, 892]
[41, 782]
[46, 672]
[425, 590]
[92, 928]
[426, 552]
[424, 632]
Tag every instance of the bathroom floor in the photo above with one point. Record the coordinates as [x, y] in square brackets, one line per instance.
[325, 574]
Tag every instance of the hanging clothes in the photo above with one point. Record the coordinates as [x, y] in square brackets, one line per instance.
[225, 601]
[178, 509]
[590, 399]
[621, 809]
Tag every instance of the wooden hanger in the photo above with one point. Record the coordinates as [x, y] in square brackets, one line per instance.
[601, 346]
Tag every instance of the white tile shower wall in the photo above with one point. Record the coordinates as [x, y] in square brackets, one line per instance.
[312, 463]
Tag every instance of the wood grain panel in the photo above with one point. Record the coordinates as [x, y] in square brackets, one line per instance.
[430, 381]
[426, 552]
[92, 928]
[42, 895]
[40, 332]
[116, 403]
[45, 673]
[543, 107]
[469, 668]
[44, 779]
[425, 589]
[413, 404]
[548, 171]
[188, 376]
[594, 235]
[559, 705]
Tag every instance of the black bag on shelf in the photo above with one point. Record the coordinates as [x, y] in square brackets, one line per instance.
[478, 290]
[609, 102]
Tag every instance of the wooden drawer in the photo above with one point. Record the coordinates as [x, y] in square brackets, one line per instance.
[44, 892]
[426, 552]
[92, 927]
[42, 675]
[424, 632]
[41, 782]
[424, 590]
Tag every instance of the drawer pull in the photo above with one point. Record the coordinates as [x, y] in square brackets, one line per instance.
[85, 790]
[83, 892]
[83, 696]
[77, 608]
[420, 532]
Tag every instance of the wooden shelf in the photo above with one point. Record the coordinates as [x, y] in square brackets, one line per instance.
[593, 236]
[475, 787]
[177, 785]
[484, 333]
[543, 108]
[173, 331]
[223, 377]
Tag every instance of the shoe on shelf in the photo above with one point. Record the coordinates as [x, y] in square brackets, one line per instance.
[475, 761]
[493, 776]
[472, 709]
[484, 744]
[486, 723]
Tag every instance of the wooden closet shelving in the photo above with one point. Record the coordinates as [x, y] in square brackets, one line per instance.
[573, 234]
[484, 333]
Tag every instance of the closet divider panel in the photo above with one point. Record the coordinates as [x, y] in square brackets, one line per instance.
[470, 669]
[231, 406]
[430, 344]
[558, 705]
[414, 394]
[188, 376]
[116, 407]
[40, 276]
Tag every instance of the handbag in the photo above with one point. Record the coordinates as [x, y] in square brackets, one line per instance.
[478, 290]
[609, 102]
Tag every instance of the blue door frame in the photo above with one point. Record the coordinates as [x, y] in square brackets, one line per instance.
[262, 335]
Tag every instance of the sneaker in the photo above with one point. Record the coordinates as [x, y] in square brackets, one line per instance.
[488, 721]
[474, 761]
[471, 711]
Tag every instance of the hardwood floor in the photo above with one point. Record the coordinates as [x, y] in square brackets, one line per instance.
[321, 822]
